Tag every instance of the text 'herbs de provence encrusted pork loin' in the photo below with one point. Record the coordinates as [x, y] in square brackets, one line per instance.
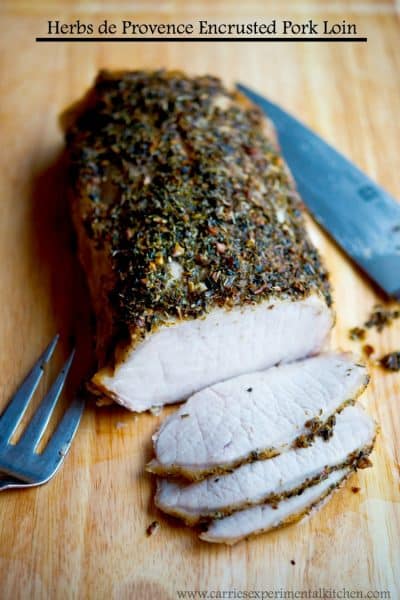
[256, 416]
[191, 233]
[272, 479]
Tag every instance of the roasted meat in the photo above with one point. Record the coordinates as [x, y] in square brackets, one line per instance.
[255, 416]
[271, 479]
[264, 518]
[192, 237]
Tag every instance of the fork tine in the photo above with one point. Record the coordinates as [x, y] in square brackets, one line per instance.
[18, 404]
[36, 427]
[61, 440]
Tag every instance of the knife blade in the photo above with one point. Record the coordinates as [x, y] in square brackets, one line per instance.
[360, 215]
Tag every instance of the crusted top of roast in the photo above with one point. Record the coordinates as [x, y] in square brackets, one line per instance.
[189, 196]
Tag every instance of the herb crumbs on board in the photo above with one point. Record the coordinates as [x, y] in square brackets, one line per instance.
[379, 318]
[391, 361]
[153, 528]
[368, 350]
[357, 333]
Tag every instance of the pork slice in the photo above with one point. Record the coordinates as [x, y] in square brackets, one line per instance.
[192, 236]
[264, 518]
[270, 480]
[257, 415]
[180, 359]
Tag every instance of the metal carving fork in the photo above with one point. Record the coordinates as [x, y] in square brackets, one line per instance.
[21, 465]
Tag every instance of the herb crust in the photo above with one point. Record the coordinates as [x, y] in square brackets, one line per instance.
[188, 196]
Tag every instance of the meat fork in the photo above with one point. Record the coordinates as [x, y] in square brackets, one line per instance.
[21, 465]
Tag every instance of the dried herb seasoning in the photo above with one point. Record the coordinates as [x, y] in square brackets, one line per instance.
[381, 317]
[364, 463]
[188, 197]
[357, 333]
[368, 350]
[327, 431]
[153, 528]
[391, 361]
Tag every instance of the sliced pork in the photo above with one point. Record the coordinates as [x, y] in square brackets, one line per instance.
[263, 518]
[257, 415]
[270, 480]
[192, 237]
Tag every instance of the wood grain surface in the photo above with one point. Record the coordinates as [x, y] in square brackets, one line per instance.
[83, 535]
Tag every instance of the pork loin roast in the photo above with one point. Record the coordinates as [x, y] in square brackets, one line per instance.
[255, 416]
[271, 479]
[264, 518]
[192, 237]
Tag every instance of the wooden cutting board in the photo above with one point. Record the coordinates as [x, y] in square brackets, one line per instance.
[84, 534]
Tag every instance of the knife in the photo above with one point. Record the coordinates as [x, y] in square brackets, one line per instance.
[361, 216]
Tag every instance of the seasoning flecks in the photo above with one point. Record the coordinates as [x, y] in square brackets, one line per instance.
[165, 171]
[391, 361]
[153, 528]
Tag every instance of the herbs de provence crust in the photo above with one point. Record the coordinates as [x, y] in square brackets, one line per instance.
[187, 220]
